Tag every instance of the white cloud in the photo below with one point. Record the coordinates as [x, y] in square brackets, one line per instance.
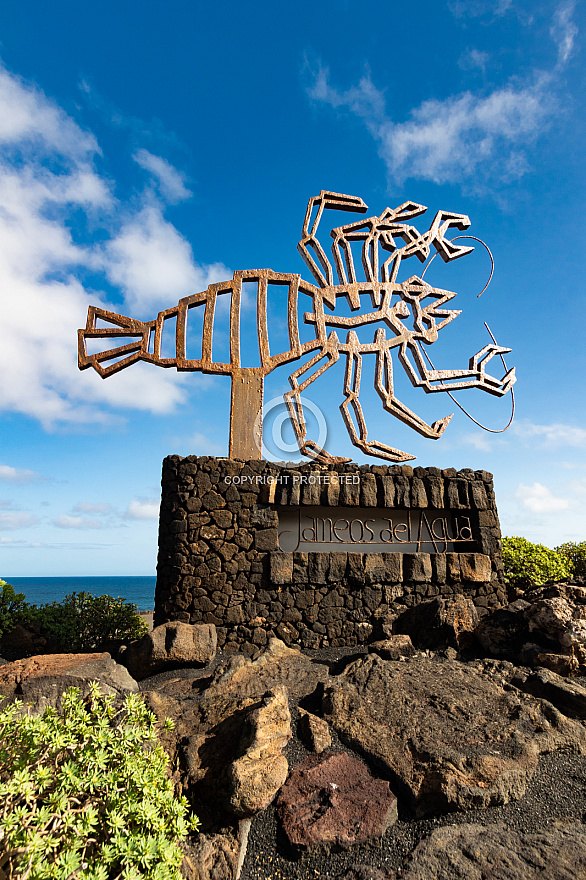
[563, 31]
[28, 115]
[171, 181]
[78, 522]
[146, 508]
[479, 441]
[12, 475]
[556, 434]
[10, 521]
[473, 59]
[454, 139]
[468, 136]
[48, 177]
[88, 507]
[539, 499]
[153, 264]
[475, 8]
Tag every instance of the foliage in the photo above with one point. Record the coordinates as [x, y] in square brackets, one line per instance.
[527, 564]
[13, 608]
[577, 554]
[86, 794]
[82, 621]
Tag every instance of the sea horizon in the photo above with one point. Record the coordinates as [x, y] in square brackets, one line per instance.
[138, 589]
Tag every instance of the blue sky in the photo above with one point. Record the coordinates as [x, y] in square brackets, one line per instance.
[149, 149]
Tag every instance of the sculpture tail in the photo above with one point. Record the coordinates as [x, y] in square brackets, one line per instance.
[124, 328]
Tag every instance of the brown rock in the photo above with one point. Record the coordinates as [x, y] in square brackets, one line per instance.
[314, 731]
[394, 647]
[455, 735]
[562, 664]
[332, 800]
[41, 681]
[567, 696]
[476, 852]
[440, 623]
[20, 637]
[211, 857]
[212, 723]
[503, 633]
[256, 777]
[171, 645]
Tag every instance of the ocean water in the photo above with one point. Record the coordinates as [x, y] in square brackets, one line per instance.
[39, 590]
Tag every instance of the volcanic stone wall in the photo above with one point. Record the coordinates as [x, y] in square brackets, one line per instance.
[219, 558]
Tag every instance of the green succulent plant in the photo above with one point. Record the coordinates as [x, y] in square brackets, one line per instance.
[85, 793]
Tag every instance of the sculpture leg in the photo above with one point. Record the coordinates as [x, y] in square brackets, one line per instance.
[383, 384]
[294, 405]
[358, 432]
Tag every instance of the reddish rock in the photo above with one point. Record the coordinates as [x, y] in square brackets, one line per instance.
[332, 800]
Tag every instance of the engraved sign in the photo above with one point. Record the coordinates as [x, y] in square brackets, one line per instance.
[372, 530]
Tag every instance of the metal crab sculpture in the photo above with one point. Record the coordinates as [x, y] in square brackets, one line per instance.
[398, 309]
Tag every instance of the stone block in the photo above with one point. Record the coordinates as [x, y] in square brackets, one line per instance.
[457, 495]
[417, 567]
[311, 492]
[402, 492]
[212, 501]
[382, 568]
[318, 565]
[281, 567]
[267, 539]
[388, 484]
[355, 570]
[368, 494]
[479, 499]
[349, 494]
[418, 493]
[338, 565]
[475, 567]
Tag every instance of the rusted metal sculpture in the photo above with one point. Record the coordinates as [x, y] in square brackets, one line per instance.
[396, 308]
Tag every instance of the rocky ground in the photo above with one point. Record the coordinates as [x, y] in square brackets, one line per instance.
[534, 828]
[450, 747]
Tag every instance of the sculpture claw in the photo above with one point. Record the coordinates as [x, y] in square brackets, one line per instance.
[381, 450]
[312, 450]
[440, 426]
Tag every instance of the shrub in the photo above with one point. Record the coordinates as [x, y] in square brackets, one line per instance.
[527, 564]
[86, 794]
[13, 608]
[577, 554]
[82, 621]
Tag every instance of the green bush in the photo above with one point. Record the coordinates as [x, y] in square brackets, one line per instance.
[13, 608]
[82, 621]
[577, 554]
[86, 793]
[527, 564]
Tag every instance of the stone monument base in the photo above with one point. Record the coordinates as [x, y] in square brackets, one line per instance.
[316, 554]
